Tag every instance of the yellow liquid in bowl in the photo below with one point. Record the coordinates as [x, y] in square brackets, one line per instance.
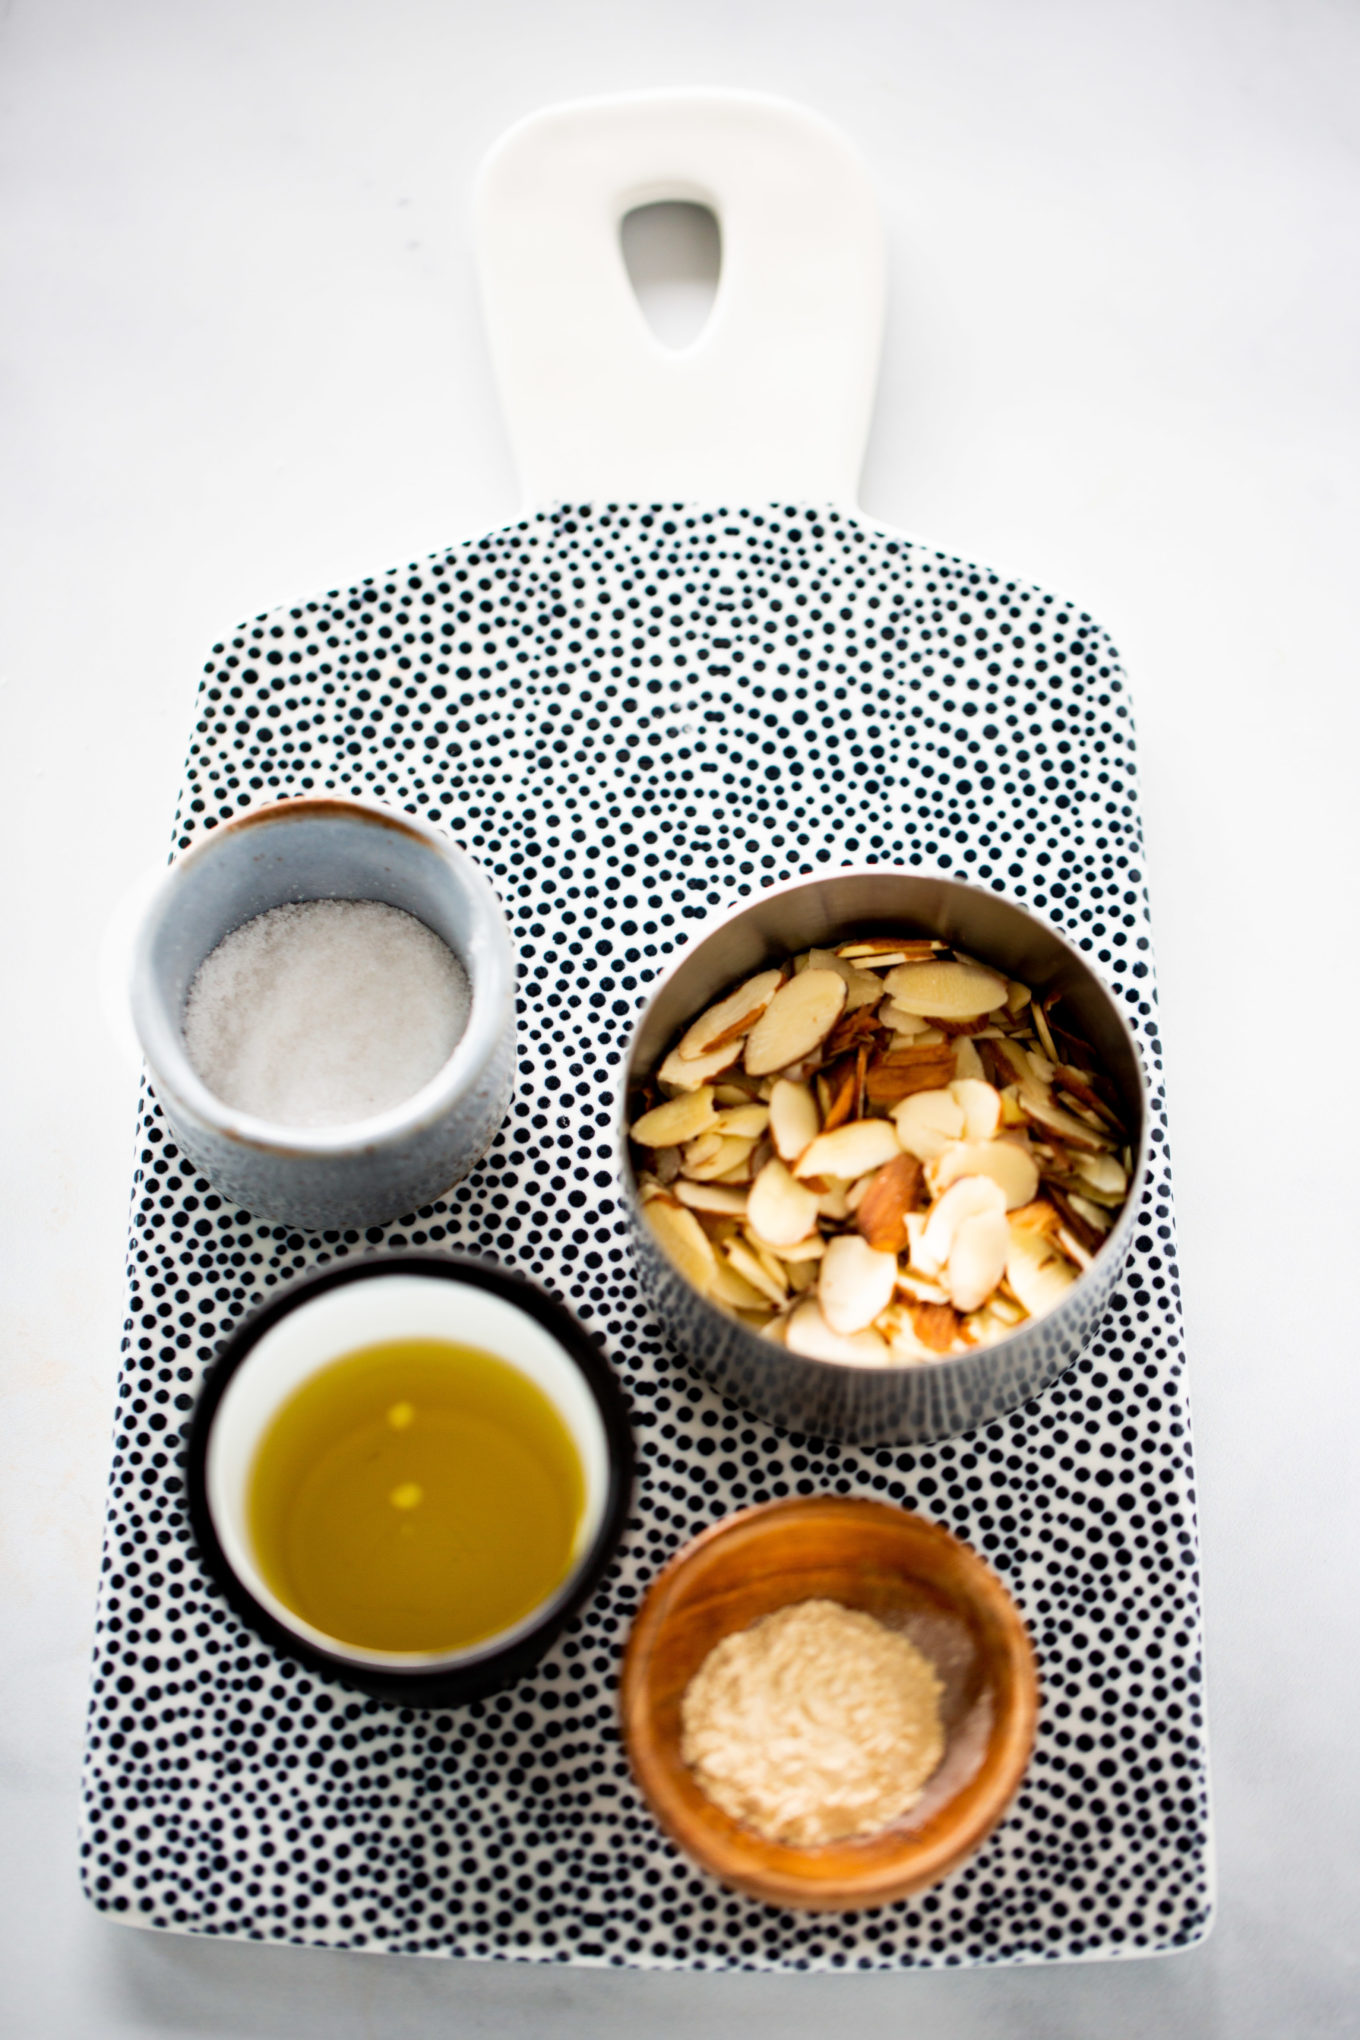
[416, 1496]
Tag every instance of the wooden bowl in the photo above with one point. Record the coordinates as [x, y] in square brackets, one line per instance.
[914, 1577]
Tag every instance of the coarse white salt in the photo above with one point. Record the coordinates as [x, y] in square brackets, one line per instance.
[325, 1012]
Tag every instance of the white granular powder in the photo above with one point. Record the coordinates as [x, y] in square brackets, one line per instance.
[815, 1724]
[325, 1012]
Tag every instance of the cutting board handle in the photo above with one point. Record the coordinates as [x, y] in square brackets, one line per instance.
[771, 403]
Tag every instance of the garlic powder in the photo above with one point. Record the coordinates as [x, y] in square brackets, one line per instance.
[814, 1725]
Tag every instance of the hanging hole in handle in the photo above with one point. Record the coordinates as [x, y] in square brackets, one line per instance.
[673, 254]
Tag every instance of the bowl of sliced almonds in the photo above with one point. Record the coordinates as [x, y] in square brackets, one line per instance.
[884, 1137]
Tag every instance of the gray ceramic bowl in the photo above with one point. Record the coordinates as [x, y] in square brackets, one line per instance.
[906, 1403]
[381, 1167]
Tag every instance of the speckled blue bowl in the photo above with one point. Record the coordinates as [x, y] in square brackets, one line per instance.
[377, 1168]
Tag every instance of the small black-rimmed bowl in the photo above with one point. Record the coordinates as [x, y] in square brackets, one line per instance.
[338, 1310]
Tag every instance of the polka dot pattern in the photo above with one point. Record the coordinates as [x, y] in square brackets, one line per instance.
[632, 716]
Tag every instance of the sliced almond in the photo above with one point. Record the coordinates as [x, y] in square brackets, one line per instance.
[778, 1209]
[904, 1343]
[747, 1121]
[1012, 1111]
[1072, 1246]
[800, 1253]
[851, 1150]
[677, 1121]
[1039, 1277]
[1041, 1028]
[777, 1270]
[738, 1089]
[1010, 1165]
[750, 1270]
[1077, 1132]
[883, 950]
[1083, 1092]
[852, 1030]
[1097, 1217]
[981, 1105]
[834, 1202]
[936, 1325]
[731, 1288]
[727, 1198]
[917, 1290]
[923, 1066]
[898, 1020]
[809, 1333]
[1005, 1062]
[927, 1122]
[798, 1019]
[725, 1164]
[731, 1017]
[882, 1206]
[700, 1150]
[1105, 1176]
[968, 1063]
[1037, 1218]
[684, 1242]
[967, 1198]
[794, 1119]
[838, 1094]
[977, 1259]
[946, 991]
[855, 1283]
[676, 1075]
[862, 988]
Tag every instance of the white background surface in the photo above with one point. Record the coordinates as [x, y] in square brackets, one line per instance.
[243, 361]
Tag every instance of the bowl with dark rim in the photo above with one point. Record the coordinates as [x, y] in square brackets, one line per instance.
[901, 1403]
[332, 1312]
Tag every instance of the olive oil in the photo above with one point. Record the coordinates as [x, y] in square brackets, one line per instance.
[416, 1496]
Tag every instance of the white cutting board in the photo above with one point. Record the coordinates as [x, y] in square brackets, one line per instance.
[691, 670]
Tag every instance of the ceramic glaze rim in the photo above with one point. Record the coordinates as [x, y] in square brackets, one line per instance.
[377, 1307]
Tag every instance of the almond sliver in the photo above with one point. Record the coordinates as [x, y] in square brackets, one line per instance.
[855, 1283]
[731, 1017]
[725, 1198]
[946, 991]
[794, 1120]
[677, 1121]
[780, 1210]
[729, 1155]
[684, 1242]
[676, 1074]
[977, 1259]
[851, 1150]
[927, 1122]
[964, 1199]
[1010, 1166]
[798, 1019]
[809, 1333]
